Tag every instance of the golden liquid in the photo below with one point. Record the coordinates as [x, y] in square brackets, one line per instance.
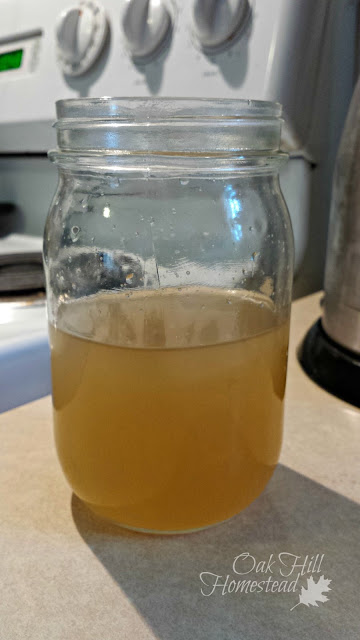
[168, 411]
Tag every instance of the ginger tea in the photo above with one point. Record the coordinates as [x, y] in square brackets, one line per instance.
[168, 404]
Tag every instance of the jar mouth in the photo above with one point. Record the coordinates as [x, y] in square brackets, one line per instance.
[154, 109]
[168, 125]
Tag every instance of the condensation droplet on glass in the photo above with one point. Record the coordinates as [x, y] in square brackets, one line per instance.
[137, 233]
[113, 182]
[74, 233]
[173, 211]
[69, 259]
[250, 228]
[184, 182]
[188, 273]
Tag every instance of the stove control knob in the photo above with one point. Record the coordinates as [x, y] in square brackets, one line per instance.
[80, 36]
[217, 22]
[147, 26]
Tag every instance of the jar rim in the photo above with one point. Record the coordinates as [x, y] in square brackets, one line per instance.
[168, 125]
[172, 108]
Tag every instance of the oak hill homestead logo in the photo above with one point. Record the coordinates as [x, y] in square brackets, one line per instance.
[281, 573]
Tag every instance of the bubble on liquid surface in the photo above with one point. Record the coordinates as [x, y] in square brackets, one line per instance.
[184, 182]
[188, 273]
[74, 233]
[205, 234]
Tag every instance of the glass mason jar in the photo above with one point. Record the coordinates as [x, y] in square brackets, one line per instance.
[168, 255]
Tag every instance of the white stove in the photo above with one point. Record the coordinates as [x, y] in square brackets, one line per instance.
[24, 352]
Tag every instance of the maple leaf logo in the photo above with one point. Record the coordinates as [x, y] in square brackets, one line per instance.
[314, 592]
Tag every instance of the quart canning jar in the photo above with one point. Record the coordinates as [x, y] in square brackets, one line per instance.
[168, 254]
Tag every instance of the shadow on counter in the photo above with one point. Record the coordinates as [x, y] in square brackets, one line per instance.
[161, 574]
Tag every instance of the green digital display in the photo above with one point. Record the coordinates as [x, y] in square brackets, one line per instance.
[11, 60]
